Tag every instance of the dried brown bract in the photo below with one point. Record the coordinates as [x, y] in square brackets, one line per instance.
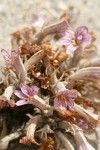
[49, 144]
[23, 36]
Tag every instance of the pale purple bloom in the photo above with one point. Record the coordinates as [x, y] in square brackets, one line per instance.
[15, 60]
[26, 94]
[69, 41]
[11, 59]
[64, 99]
[75, 39]
[82, 35]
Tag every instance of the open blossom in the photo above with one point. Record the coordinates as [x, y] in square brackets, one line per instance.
[75, 39]
[64, 97]
[26, 94]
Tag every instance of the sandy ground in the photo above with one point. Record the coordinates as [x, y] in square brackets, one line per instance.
[16, 14]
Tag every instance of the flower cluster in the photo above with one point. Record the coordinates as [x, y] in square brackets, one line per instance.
[48, 85]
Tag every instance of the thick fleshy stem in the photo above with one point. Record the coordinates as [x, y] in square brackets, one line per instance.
[64, 140]
[8, 92]
[31, 126]
[40, 103]
[80, 139]
[34, 59]
[59, 27]
[4, 142]
[94, 119]
[89, 73]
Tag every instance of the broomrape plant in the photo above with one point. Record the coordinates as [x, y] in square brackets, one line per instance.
[44, 82]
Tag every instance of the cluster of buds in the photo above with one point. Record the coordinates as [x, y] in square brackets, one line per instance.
[45, 73]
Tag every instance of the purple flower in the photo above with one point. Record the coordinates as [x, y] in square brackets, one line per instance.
[82, 35]
[75, 39]
[69, 41]
[64, 99]
[11, 59]
[26, 94]
[15, 60]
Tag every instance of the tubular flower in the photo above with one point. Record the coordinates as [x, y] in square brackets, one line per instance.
[64, 98]
[26, 94]
[75, 39]
[82, 35]
[29, 95]
[15, 60]
[81, 141]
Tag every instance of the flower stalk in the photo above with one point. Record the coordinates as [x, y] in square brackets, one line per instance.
[64, 140]
[31, 126]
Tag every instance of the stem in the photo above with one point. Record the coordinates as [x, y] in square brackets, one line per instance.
[5, 141]
[8, 92]
[90, 117]
[40, 103]
[34, 59]
[64, 141]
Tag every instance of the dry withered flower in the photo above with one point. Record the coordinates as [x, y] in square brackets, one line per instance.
[23, 36]
[48, 145]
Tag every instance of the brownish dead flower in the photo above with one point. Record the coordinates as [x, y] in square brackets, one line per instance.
[21, 37]
[49, 144]
[28, 140]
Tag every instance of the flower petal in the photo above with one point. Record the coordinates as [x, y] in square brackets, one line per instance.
[82, 35]
[25, 89]
[72, 93]
[19, 94]
[6, 55]
[81, 30]
[71, 49]
[21, 102]
[59, 104]
[70, 103]
[34, 90]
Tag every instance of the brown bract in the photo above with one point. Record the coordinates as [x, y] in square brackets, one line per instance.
[28, 140]
[49, 144]
[23, 36]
